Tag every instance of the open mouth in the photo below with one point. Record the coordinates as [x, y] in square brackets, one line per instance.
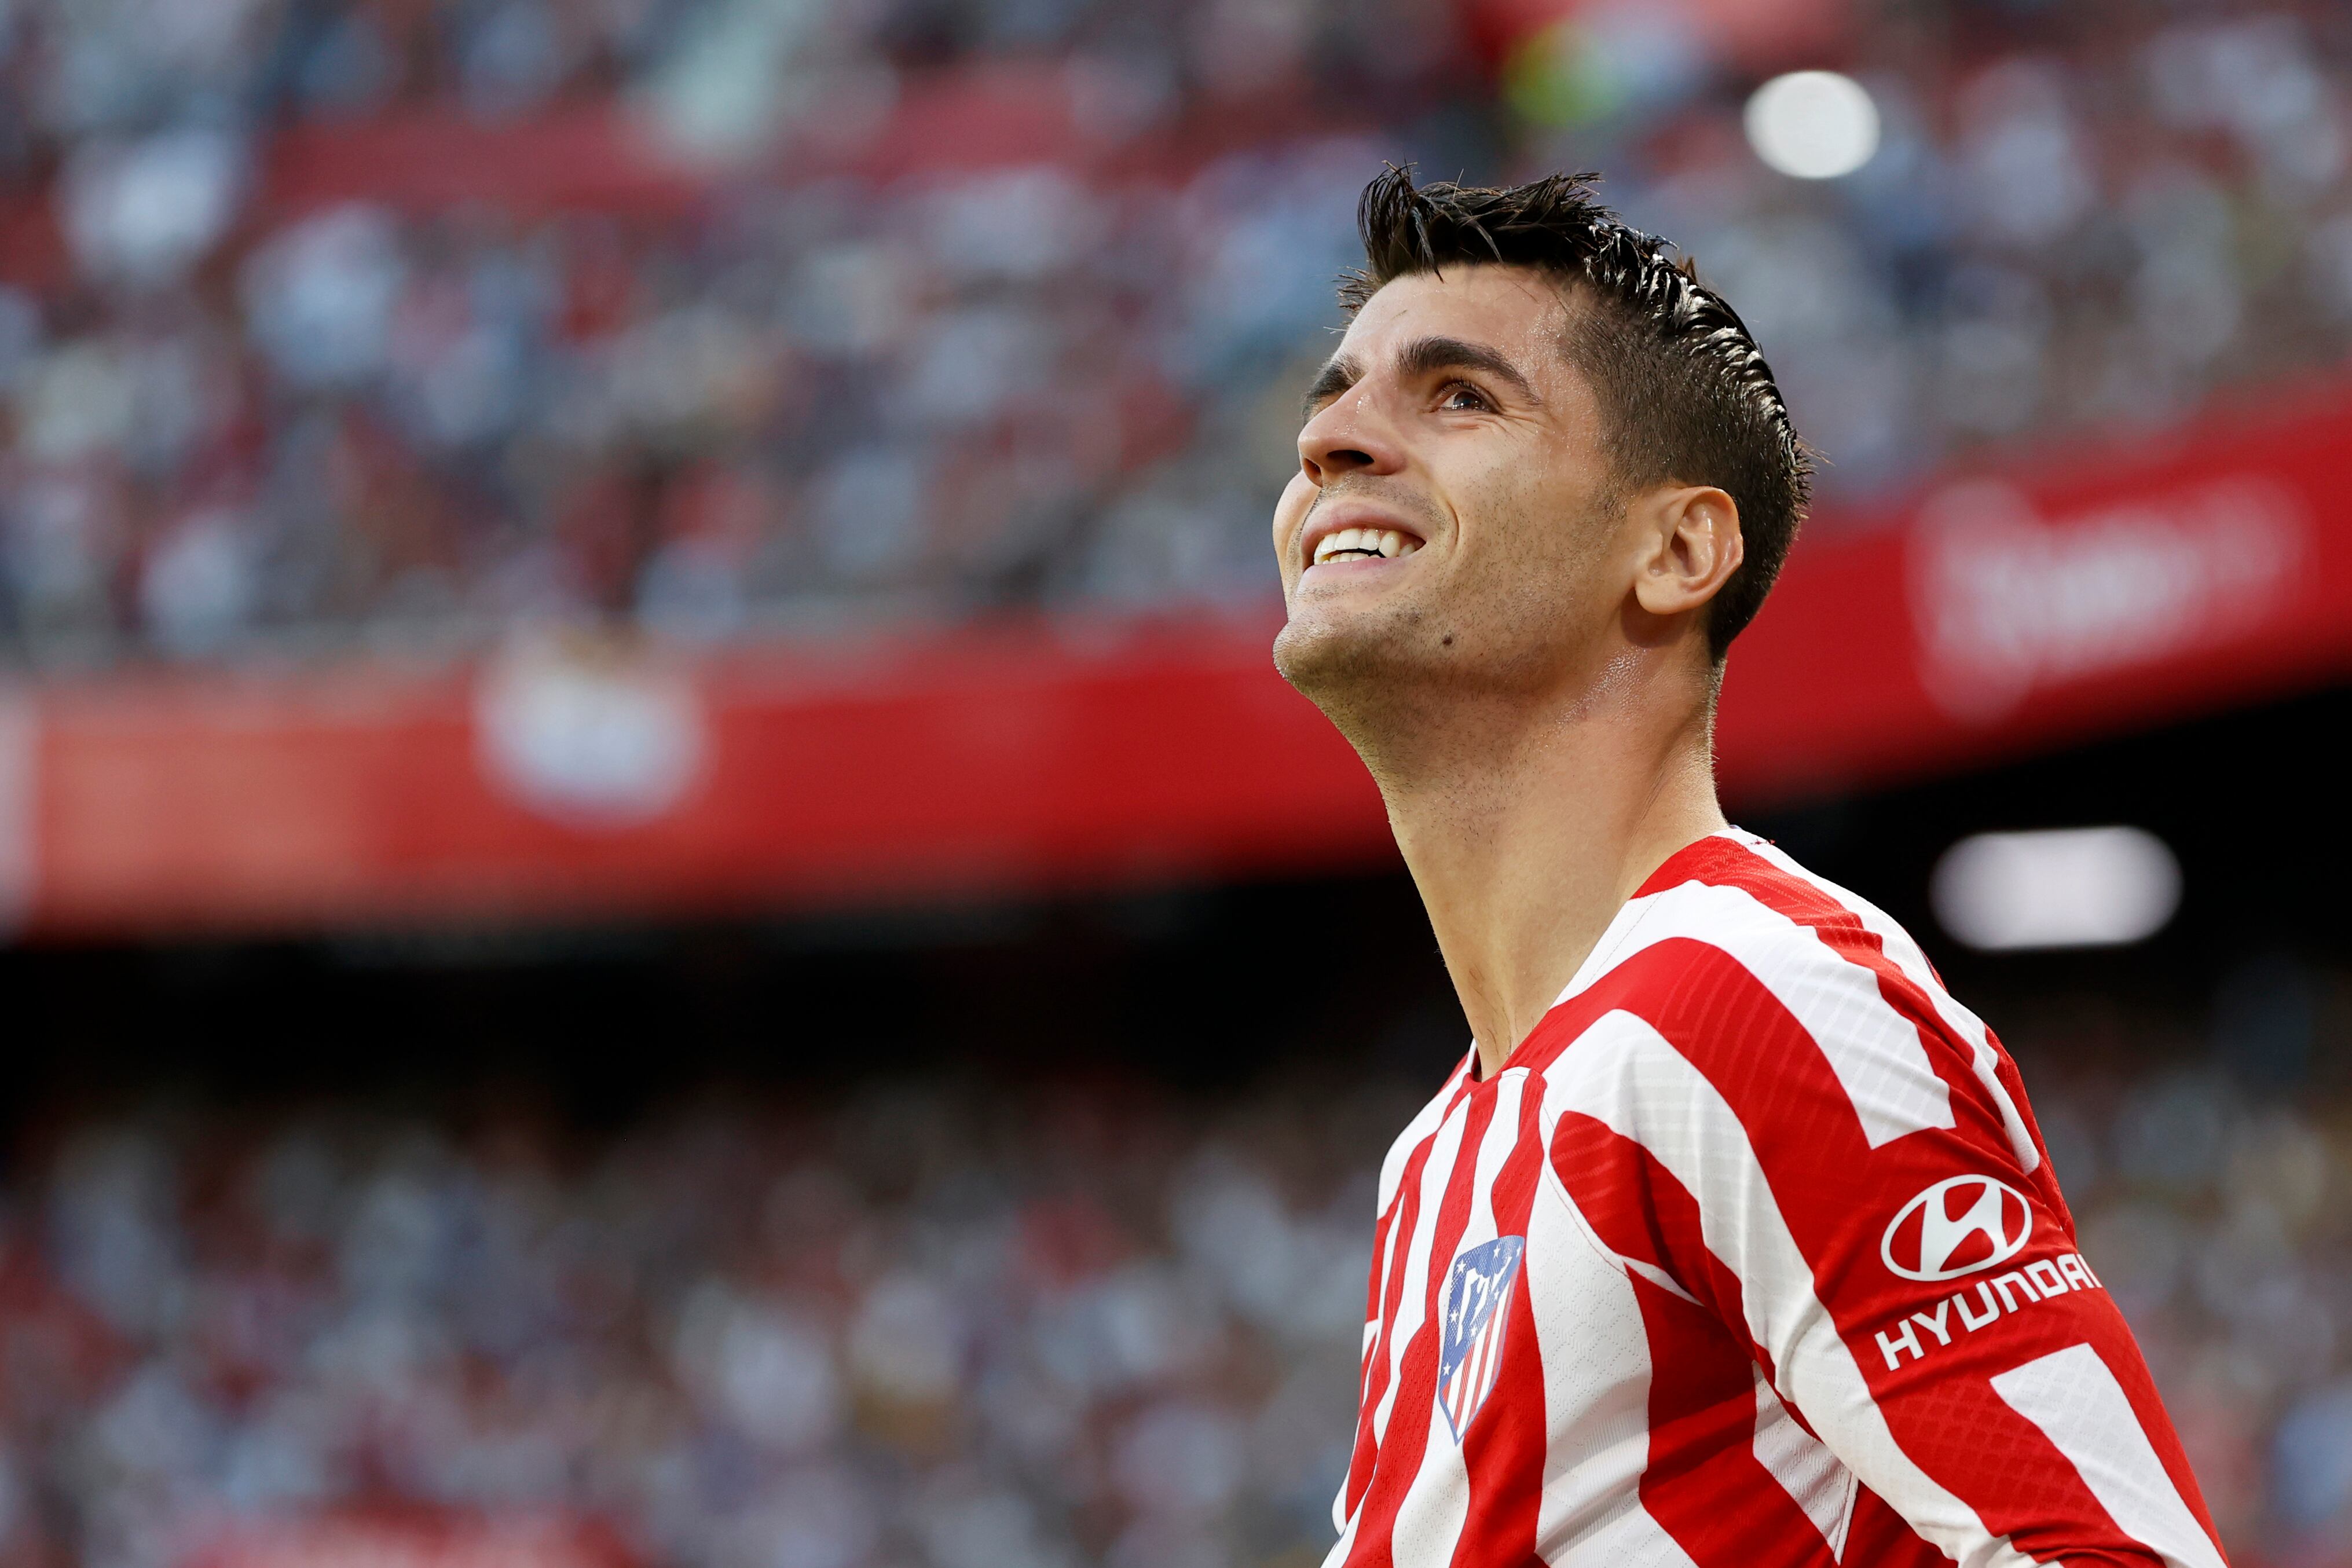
[1364, 544]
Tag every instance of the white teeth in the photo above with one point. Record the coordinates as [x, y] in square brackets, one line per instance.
[1387, 543]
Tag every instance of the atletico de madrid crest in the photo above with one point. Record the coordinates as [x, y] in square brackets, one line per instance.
[1470, 1327]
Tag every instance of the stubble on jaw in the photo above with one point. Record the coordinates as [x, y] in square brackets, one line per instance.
[1370, 674]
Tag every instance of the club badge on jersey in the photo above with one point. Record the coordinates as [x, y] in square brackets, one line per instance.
[1472, 1319]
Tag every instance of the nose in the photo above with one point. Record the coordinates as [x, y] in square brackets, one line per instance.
[1347, 438]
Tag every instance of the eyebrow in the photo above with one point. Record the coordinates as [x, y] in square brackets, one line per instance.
[1421, 357]
[1427, 356]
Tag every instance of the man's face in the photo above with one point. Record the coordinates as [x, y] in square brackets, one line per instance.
[1451, 515]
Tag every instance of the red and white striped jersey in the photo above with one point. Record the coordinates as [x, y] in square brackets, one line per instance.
[1749, 1255]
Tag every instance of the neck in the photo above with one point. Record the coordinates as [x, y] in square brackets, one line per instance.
[1527, 826]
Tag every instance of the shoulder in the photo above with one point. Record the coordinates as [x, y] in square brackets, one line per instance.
[1741, 965]
[1731, 914]
[1737, 885]
[1742, 896]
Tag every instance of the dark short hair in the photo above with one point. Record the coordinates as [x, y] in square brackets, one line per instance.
[1685, 392]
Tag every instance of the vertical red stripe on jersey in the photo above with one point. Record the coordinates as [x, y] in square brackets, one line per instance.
[1877, 1533]
[1705, 1486]
[1398, 1460]
[1503, 1451]
[1405, 1212]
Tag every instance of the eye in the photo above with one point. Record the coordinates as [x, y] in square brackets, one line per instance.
[1460, 397]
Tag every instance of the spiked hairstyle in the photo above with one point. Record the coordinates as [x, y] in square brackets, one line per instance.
[1685, 392]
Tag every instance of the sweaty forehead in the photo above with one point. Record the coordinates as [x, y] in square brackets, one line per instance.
[1514, 309]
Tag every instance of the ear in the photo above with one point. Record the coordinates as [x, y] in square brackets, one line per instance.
[1690, 548]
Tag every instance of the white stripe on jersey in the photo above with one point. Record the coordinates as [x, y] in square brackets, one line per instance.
[1874, 1051]
[1821, 1488]
[1386, 1262]
[1412, 1303]
[1596, 1359]
[1630, 1540]
[2075, 1400]
[1905, 955]
[1425, 1121]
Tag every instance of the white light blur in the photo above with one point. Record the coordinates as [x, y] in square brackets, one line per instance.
[1812, 125]
[2077, 887]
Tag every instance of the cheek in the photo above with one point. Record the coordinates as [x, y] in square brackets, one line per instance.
[1291, 510]
[1535, 546]
[1509, 507]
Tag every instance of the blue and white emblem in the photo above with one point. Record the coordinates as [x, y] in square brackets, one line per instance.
[1471, 1321]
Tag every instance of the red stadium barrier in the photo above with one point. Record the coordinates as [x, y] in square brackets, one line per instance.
[576, 781]
[2076, 599]
[558, 782]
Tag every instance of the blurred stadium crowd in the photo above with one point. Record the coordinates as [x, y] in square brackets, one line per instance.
[965, 1325]
[238, 425]
[974, 1329]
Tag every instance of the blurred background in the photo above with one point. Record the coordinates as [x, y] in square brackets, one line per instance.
[657, 906]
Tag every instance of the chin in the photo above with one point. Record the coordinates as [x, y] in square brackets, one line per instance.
[1341, 661]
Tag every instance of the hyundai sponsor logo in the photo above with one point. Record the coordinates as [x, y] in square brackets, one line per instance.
[1957, 1226]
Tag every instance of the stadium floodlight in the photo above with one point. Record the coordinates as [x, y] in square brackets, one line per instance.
[2077, 887]
[1812, 125]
